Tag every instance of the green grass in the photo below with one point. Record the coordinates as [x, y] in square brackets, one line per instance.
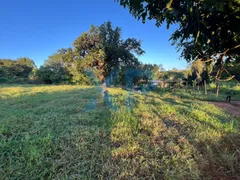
[225, 89]
[69, 132]
[46, 132]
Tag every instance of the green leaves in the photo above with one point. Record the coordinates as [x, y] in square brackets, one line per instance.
[144, 15]
[205, 28]
[20, 68]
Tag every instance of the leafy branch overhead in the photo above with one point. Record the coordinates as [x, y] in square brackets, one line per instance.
[206, 29]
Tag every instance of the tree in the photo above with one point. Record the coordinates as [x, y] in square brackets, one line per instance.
[55, 59]
[199, 73]
[102, 50]
[21, 68]
[89, 54]
[232, 69]
[119, 53]
[34, 74]
[207, 30]
[26, 62]
[54, 70]
[95, 55]
[173, 75]
[53, 74]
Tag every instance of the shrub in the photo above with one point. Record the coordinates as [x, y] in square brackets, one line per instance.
[3, 80]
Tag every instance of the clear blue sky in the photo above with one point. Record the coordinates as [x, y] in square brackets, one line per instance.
[38, 28]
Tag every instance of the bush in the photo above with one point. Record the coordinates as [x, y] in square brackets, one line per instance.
[3, 80]
[18, 81]
[53, 74]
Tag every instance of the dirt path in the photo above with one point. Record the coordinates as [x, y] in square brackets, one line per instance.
[233, 107]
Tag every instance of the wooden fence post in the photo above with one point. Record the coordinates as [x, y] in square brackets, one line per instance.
[205, 87]
[217, 88]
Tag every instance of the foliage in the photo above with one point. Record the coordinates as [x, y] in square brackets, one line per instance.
[200, 72]
[3, 80]
[232, 69]
[33, 74]
[53, 74]
[207, 30]
[150, 71]
[119, 53]
[26, 62]
[94, 56]
[173, 75]
[137, 75]
[88, 53]
[19, 68]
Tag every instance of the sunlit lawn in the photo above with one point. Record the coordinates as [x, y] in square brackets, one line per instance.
[69, 132]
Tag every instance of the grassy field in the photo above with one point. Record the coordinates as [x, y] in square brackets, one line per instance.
[72, 132]
[225, 89]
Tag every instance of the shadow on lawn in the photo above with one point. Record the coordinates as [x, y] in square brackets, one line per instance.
[68, 134]
[188, 108]
[219, 159]
[190, 148]
[63, 134]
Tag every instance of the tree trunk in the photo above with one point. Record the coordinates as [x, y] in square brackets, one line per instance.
[217, 88]
[205, 87]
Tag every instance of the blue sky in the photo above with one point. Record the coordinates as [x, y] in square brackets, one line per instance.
[38, 28]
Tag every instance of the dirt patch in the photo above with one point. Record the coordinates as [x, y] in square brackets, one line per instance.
[232, 108]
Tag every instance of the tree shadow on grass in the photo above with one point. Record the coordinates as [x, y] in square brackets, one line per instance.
[220, 159]
[224, 118]
[70, 134]
[60, 134]
[183, 144]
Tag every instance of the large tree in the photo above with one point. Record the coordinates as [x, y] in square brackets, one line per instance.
[103, 50]
[20, 68]
[96, 54]
[88, 55]
[207, 29]
[119, 53]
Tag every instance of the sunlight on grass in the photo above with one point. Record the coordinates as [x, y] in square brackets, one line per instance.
[169, 137]
[45, 132]
[17, 91]
[70, 132]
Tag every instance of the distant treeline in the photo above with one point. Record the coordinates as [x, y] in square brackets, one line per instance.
[24, 70]
[101, 55]
[96, 55]
[16, 71]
